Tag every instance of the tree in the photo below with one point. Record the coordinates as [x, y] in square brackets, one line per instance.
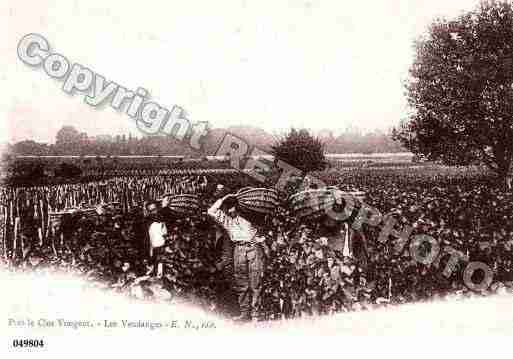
[30, 147]
[67, 135]
[68, 140]
[460, 90]
[301, 150]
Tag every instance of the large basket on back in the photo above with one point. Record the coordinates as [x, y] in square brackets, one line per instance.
[185, 204]
[110, 209]
[56, 217]
[258, 200]
[315, 203]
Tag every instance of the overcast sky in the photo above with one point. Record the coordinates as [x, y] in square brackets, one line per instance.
[274, 64]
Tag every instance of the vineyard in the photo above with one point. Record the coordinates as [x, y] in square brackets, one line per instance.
[60, 227]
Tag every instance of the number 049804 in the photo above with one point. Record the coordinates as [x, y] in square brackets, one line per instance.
[28, 343]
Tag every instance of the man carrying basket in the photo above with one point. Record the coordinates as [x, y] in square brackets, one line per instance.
[248, 252]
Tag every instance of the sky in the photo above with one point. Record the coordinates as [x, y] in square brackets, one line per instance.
[273, 64]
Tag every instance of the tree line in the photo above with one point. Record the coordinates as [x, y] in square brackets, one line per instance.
[70, 141]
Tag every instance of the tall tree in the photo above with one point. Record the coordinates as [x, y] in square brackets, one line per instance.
[301, 150]
[67, 135]
[460, 90]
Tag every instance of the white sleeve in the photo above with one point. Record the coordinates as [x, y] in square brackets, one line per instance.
[215, 211]
[152, 232]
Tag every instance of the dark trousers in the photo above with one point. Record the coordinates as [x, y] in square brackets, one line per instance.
[156, 257]
[248, 271]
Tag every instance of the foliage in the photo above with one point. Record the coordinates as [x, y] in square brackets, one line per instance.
[20, 173]
[460, 90]
[301, 150]
[457, 206]
[68, 170]
[69, 141]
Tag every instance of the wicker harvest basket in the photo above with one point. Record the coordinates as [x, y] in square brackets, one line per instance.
[311, 204]
[185, 204]
[260, 200]
[112, 209]
[56, 217]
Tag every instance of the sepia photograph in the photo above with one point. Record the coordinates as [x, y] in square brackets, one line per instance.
[308, 177]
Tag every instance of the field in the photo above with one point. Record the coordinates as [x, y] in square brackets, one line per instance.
[461, 208]
[28, 170]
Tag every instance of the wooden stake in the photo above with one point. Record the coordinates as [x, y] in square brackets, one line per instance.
[5, 222]
[15, 237]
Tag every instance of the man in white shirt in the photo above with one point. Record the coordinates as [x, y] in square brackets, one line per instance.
[248, 255]
[157, 232]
